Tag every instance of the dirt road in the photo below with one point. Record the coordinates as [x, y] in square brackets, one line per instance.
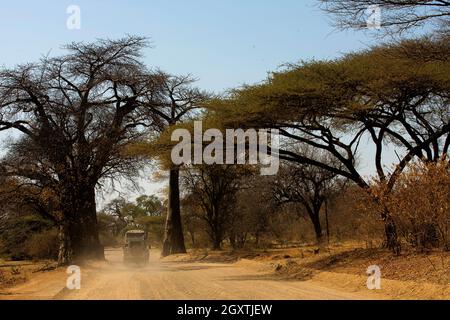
[173, 280]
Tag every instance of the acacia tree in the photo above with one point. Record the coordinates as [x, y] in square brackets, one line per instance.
[330, 106]
[75, 114]
[397, 16]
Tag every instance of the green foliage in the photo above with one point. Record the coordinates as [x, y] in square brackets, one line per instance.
[149, 205]
[119, 216]
[154, 226]
[25, 237]
[340, 88]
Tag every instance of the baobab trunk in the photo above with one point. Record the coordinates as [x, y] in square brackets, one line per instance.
[91, 247]
[78, 230]
[65, 248]
[173, 235]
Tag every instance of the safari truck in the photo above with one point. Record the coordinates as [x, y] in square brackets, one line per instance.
[136, 248]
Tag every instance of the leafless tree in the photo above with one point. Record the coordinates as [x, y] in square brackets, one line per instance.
[214, 188]
[397, 16]
[308, 185]
[254, 208]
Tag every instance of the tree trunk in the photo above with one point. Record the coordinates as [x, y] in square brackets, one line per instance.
[173, 235]
[192, 234]
[65, 248]
[315, 219]
[91, 247]
[390, 230]
[217, 243]
[257, 239]
[233, 240]
[242, 239]
[319, 234]
[78, 232]
[216, 229]
[327, 222]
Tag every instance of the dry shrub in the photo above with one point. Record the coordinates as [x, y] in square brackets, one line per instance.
[43, 245]
[289, 227]
[12, 276]
[16, 233]
[354, 215]
[420, 205]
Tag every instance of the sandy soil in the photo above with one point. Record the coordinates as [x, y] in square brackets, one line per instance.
[172, 279]
[412, 275]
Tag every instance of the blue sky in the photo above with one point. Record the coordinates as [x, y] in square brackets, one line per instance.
[224, 43]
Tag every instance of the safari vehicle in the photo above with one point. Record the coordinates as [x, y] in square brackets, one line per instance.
[136, 248]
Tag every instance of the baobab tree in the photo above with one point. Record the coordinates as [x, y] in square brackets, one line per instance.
[176, 101]
[75, 114]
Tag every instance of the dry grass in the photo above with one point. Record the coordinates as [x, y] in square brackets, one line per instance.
[13, 273]
[431, 267]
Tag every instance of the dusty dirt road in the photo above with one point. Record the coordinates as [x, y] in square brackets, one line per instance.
[173, 280]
